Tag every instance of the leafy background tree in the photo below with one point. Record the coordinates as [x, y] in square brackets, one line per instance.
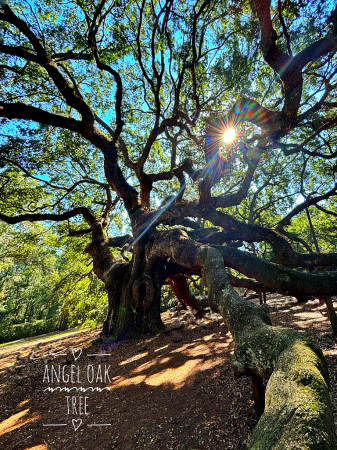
[46, 284]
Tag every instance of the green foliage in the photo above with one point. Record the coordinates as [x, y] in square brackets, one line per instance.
[48, 169]
[46, 283]
[168, 299]
[28, 329]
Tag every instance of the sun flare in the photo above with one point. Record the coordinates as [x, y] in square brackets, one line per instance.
[229, 135]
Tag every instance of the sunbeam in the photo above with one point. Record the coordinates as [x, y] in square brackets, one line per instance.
[147, 226]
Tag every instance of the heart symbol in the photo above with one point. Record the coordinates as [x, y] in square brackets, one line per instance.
[77, 353]
[77, 423]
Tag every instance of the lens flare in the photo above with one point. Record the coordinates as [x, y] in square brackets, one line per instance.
[229, 135]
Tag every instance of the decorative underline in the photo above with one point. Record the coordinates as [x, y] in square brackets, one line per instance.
[65, 354]
[55, 424]
[65, 424]
[99, 425]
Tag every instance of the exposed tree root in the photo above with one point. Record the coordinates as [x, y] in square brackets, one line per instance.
[298, 411]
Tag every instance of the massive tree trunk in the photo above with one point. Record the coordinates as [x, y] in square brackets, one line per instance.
[298, 411]
[134, 290]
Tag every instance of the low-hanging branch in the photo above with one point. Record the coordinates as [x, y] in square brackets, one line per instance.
[298, 406]
[233, 229]
[281, 279]
[12, 220]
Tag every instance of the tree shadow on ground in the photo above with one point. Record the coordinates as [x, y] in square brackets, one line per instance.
[168, 395]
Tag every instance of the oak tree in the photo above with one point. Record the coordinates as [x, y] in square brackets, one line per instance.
[194, 137]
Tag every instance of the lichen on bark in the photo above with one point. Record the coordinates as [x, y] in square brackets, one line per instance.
[298, 410]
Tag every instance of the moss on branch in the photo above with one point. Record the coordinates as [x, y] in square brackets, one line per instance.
[298, 411]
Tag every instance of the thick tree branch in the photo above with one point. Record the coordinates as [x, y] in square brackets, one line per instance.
[289, 69]
[119, 241]
[71, 94]
[235, 230]
[284, 27]
[281, 279]
[79, 232]
[70, 55]
[302, 206]
[265, 351]
[87, 215]
[316, 50]
[18, 51]
[26, 112]
[246, 283]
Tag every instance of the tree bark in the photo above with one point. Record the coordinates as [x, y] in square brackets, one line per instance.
[181, 290]
[331, 313]
[133, 288]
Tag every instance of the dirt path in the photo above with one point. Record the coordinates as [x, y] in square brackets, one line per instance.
[174, 391]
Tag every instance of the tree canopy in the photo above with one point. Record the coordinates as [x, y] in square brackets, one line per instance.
[107, 108]
[178, 138]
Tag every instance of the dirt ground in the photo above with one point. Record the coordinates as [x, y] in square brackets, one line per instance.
[173, 391]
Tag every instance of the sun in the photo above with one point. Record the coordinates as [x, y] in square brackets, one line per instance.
[229, 135]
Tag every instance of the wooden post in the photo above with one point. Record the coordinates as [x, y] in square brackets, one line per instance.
[331, 313]
[258, 391]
